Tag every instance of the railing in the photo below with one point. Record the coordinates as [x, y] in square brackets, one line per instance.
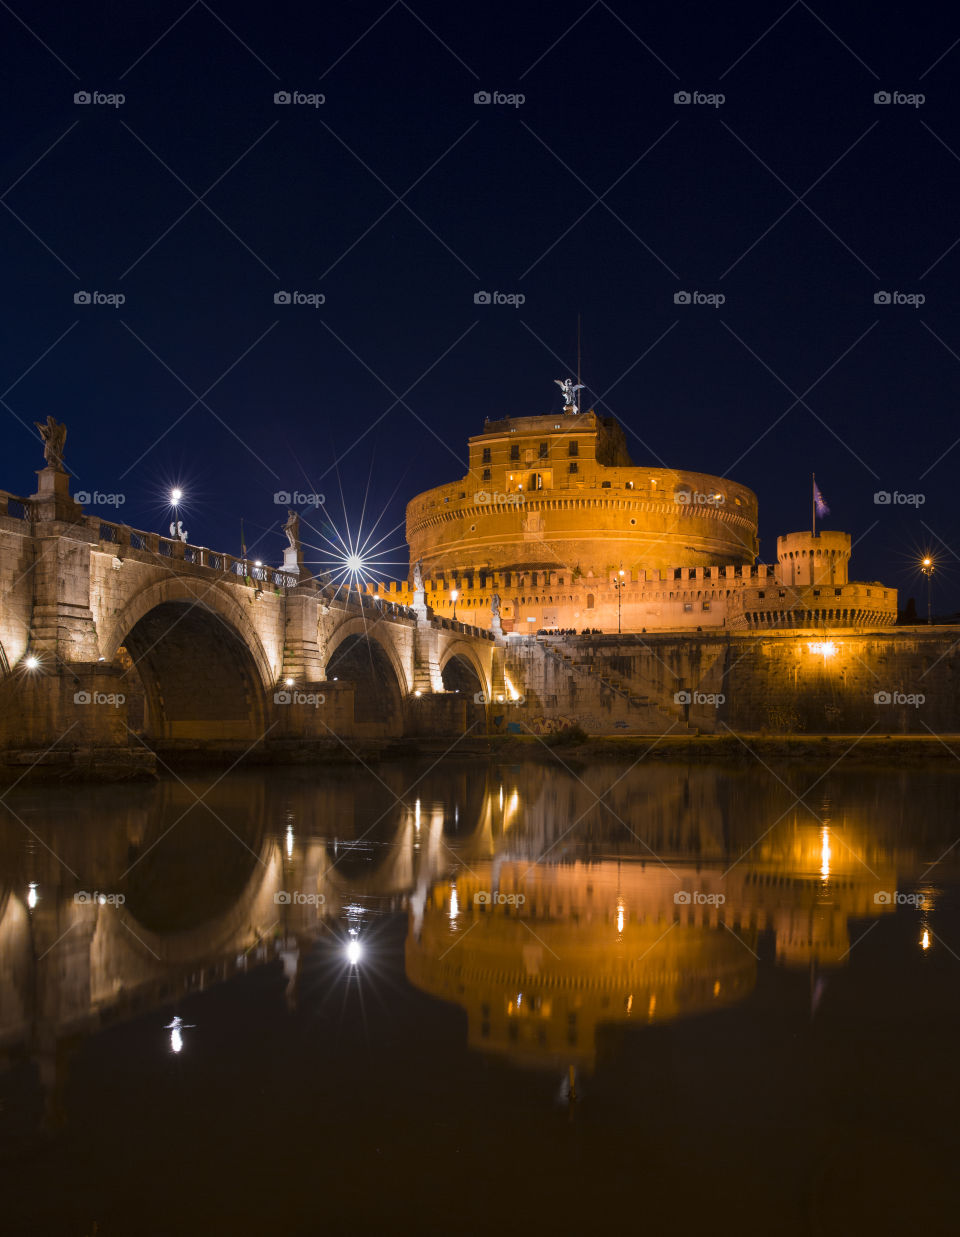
[16, 508]
[169, 548]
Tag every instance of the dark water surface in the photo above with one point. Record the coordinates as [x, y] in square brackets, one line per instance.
[482, 998]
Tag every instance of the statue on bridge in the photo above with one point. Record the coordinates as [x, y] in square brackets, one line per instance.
[291, 553]
[495, 605]
[292, 528]
[54, 435]
[418, 576]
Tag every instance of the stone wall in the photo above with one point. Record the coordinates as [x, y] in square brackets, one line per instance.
[904, 680]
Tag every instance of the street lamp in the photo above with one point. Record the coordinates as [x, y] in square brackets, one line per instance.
[453, 597]
[927, 566]
[618, 585]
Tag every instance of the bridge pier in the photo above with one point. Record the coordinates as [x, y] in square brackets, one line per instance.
[426, 656]
[302, 661]
[63, 627]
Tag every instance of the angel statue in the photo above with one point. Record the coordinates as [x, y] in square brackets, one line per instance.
[495, 605]
[418, 576]
[292, 529]
[569, 391]
[54, 435]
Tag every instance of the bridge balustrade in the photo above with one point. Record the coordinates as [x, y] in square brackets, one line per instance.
[16, 508]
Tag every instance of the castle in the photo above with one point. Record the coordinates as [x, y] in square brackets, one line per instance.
[555, 520]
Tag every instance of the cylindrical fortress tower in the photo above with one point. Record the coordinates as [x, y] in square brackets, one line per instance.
[813, 558]
[560, 492]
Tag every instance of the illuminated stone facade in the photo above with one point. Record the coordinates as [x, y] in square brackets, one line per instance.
[560, 495]
[555, 519]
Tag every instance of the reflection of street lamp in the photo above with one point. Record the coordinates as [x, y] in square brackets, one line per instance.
[453, 597]
[618, 585]
[926, 567]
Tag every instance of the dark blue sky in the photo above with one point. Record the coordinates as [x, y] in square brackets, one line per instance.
[598, 195]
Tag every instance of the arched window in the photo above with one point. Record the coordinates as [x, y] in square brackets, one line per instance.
[590, 601]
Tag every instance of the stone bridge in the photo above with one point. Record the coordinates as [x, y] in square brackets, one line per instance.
[114, 640]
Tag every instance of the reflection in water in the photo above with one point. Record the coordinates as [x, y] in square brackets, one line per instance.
[553, 908]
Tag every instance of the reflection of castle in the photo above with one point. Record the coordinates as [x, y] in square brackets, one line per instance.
[555, 518]
[541, 956]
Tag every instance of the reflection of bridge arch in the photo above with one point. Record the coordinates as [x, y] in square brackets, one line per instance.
[253, 907]
[200, 660]
[359, 653]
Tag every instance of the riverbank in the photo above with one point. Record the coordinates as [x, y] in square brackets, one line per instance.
[109, 765]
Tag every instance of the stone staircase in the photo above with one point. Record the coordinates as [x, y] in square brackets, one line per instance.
[656, 712]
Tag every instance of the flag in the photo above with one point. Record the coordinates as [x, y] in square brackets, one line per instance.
[818, 502]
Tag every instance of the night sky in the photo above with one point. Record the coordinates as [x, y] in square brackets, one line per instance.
[398, 198]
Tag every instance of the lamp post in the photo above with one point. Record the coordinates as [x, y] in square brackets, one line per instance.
[453, 597]
[618, 585]
[926, 567]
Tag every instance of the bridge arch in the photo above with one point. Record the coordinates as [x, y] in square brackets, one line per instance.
[462, 656]
[361, 652]
[198, 660]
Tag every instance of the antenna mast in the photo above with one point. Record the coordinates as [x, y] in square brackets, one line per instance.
[578, 349]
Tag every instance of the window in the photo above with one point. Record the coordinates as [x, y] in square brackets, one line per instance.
[604, 485]
[687, 607]
[486, 474]
[762, 594]
[486, 455]
[533, 577]
[573, 467]
[514, 450]
[535, 482]
[574, 447]
[706, 605]
[544, 450]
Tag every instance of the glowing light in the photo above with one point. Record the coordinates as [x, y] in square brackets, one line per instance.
[826, 648]
[925, 939]
[716, 987]
[511, 690]
[928, 562]
[416, 814]
[354, 562]
[630, 1003]
[289, 841]
[454, 594]
[32, 662]
[354, 952]
[652, 1006]
[176, 495]
[620, 917]
[257, 562]
[418, 693]
[288, 682]
[32, 894]
[825, 852]
[454, 904]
